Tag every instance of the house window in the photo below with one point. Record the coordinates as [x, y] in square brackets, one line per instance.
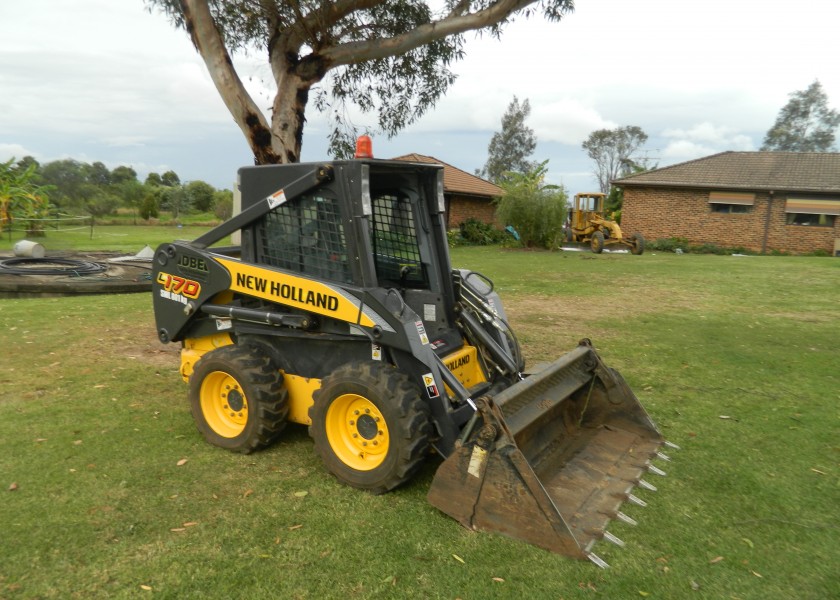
[731, 202]
[817, 212]
[730, 208]
[806, 219]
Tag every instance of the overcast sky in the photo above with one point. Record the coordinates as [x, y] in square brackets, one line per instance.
[105, 80]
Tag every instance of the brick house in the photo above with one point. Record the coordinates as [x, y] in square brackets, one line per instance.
[761, 201]
[465, 195]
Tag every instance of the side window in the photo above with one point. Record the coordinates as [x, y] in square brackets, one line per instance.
[809, 219]
[306, 235]
[396, 252]
[732, 209]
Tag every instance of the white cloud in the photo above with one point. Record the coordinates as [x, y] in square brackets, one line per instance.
[566, 121]
[16, 151]
[703, 139]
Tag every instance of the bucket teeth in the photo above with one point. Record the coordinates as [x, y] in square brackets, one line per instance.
[656, 471]
[613, 539]
[672, 445]
[597, 560]
[646, 486]
[664, 457]
[636, 500]
[625, 519]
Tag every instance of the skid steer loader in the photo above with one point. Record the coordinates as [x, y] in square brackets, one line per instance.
[339, 311]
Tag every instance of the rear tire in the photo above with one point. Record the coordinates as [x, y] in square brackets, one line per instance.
[597, 242]
[638, 243]
[238, 399]
[370, 426]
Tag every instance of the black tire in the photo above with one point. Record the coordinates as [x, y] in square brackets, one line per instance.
[597, 242]
[638, 243]
[370, 426]
[238, 399]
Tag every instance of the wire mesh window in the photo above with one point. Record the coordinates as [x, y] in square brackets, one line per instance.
[394, 241]
[306, 235]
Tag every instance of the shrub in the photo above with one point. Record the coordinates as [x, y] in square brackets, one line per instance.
[537, 211]
[149, 207]
[480, 233]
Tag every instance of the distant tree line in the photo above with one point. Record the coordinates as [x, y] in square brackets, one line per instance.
[78, 188]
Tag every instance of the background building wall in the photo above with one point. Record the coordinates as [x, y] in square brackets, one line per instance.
[661, 213]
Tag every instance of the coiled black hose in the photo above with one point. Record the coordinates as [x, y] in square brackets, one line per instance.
[50, 266]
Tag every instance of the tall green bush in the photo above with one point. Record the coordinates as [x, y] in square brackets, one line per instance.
[534, 209]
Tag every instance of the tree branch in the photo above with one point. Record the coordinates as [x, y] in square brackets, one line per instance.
[354, 52]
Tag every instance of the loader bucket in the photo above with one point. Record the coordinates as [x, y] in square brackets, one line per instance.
[552, 458]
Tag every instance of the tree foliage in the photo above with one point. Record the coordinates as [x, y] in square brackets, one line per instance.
[20, 196]
[613, 151]
[804, 124]
[536, 211]
[510, 148]
[29, 190]
[388, 57]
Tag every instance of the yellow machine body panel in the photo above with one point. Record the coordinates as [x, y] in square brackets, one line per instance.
[298, 292]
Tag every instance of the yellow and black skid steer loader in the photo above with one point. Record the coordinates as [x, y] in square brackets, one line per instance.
[339, 310]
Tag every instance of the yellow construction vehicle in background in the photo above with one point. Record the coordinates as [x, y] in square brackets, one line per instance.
[589, 224]
[340, 311]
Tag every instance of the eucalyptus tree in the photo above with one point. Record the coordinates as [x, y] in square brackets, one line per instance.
[388, 57]
[510, 147]
[614, 152]
[804, 124]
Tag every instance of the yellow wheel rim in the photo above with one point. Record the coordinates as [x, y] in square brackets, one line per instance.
[357, 432]
[223, 404]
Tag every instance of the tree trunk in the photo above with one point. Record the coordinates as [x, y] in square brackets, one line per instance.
[275, 142]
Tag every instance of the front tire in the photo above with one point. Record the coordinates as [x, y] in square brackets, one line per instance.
[238, 399]
[370, 426]
[638, 243]
[597, 242]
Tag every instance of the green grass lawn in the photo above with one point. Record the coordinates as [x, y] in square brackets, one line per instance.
[107, 490]
[120, 238]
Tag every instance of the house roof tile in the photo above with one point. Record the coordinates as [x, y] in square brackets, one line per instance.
[816, 172]
[455, 180]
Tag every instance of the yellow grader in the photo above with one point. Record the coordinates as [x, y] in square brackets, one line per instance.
[589, 224]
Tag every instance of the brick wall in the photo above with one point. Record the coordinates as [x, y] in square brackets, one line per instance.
[660, 213]
[462, 208]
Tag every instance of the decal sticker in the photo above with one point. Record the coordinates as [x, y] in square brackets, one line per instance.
[276, 199]
[421, 331]
[193, 265]
[178, 288]
[476, 461]
[222, 324]
[376, 352]
[429, 313]
[459, 362]
[431, 386]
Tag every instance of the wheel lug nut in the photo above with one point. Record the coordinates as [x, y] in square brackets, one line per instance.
[367, 411]
[352, 422]
[355, 435]
[355, 412]
[364, 443]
